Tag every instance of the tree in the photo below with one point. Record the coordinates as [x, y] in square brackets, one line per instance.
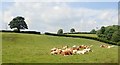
[93, 31]
[109, 33]
[116, 36]
[118, 43]
[100, 32]
[72, 30]
[18, 23]
[60, 31]
[102, 29]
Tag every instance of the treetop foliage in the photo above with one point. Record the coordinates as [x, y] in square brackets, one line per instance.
[110, 33]
[18, 22]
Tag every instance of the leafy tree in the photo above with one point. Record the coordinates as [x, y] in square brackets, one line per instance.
[109, 33]
[93, 31]
[98, 33]
[102, 29]
[60, 31]
[118, 43]
[19, 23]
[101, 32]
[116, 36]
[72, 30]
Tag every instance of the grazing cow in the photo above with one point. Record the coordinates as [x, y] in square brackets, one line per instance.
[83, 46]
[53, 49]
[59, 51]
[66, 52]
[88, 50]
[81, 52]
[69, 49]
[111, 46]
[65, 47]
[74, 46]
[106, 46]
[103, 46]
[74, 51]
[56, 51]
[90, 46]
[53, 53]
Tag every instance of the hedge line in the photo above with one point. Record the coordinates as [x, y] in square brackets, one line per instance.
[93, 38]
[80, 33]
[28, 32]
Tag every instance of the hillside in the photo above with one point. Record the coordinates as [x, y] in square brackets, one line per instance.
[0, 48]
[30, 48]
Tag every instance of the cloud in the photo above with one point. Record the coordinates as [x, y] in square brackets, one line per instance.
[0, 16]
[51, 16]
[60, 0]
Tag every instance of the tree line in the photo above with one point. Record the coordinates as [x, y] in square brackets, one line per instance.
[108, 33]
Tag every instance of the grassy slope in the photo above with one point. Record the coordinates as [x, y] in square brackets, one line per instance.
[0, 48]
[25, 48]
[90, 35]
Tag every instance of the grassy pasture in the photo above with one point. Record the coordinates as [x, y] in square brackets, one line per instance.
[89, 35]
[30, 48]
[0, 48]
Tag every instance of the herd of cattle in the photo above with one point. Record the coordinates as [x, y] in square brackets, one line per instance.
[82, 49]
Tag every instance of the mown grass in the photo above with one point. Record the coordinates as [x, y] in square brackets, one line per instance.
[89, 35]
[29, 48]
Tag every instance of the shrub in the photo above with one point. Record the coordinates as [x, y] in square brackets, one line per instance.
[93, 31]
[109, 33]
[80, 33]
[118, 43]
[93, 38]
[72, 30]
[60, 31]
[116, 36]
[28, 32]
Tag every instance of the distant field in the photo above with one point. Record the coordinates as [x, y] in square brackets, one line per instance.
[30, 48]
[89, 35]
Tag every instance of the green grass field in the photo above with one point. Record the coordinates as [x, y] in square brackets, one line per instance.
[0, 48]
[89, 35]
[30, 48]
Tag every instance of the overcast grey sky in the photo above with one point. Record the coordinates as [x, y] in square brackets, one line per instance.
[51, 16]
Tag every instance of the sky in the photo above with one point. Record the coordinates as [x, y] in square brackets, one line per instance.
[51, 16]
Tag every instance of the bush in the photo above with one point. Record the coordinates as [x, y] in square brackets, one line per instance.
[80, 33]
[109, 33]
[28, 32]
[6, 31]
[60, 31]
[116, 36]
[72, 30]
[118, 43]
[93, 38]
[93, 31]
